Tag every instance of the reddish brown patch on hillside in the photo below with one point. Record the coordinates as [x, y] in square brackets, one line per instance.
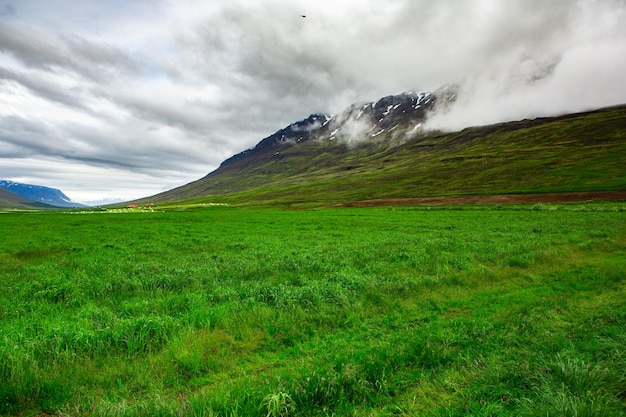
[495, 199]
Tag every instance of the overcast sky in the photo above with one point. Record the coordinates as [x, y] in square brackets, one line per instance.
[127, 98]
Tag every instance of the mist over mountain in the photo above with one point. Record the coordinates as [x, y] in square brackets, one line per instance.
[358, 123]
[389, 148]
[39, 193]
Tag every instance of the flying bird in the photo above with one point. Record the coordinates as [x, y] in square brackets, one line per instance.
[302, 15]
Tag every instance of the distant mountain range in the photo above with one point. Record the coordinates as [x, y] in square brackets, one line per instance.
[15, 194]
[14, 201]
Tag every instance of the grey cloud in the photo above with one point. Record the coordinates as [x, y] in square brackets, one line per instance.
[46, 90]
[37, 49]
[108, 58]
[8, 9]
[30, 137]
[30, 47]
[78, 143]
[175, 113]
[271, 55]
[272, 69]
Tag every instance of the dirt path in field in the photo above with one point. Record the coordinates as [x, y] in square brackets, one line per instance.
[464, 200]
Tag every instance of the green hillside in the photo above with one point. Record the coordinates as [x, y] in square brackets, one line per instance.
[579, 152]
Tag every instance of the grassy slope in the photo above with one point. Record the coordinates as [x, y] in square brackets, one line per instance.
[583, 152]
[373, 312]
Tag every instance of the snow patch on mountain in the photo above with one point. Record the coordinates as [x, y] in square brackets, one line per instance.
[357, 124]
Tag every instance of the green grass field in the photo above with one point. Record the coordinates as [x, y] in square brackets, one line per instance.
[476, 311]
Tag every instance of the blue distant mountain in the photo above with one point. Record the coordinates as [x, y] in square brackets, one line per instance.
[40, 194]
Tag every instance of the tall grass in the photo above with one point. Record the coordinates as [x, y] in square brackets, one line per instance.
[226, 312]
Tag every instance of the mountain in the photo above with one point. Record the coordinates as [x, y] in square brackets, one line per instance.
[359, 122]
[379, 150]
[9, 200]
[40, 194]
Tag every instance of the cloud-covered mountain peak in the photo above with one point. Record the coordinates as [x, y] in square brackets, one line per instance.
[359, 122]
[363, 120]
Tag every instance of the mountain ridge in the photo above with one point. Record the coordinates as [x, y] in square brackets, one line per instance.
[359, 120]
[40, 194]
[579, 152]
[9, 200]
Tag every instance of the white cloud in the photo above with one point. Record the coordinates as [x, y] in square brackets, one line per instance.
[575, 67]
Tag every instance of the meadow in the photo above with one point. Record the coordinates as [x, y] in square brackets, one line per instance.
[389, 311]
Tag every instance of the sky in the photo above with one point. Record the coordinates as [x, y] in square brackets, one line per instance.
[128, 98]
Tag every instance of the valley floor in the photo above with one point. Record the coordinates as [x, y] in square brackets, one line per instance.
[379, 312]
